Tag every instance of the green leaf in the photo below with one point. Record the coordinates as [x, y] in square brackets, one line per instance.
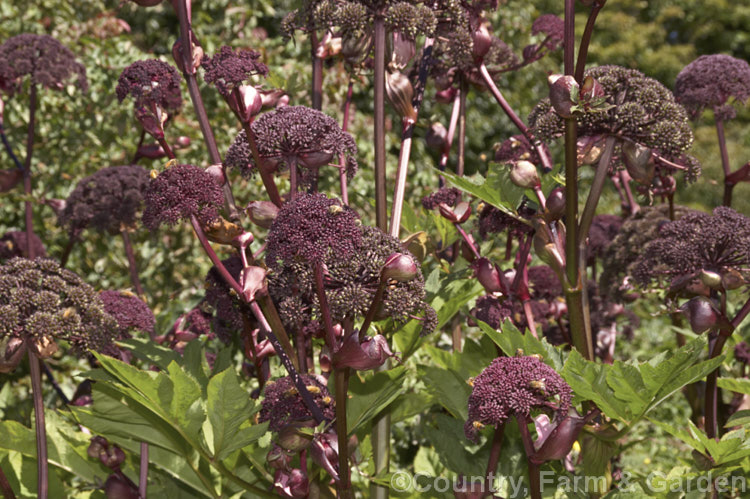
[228, 406]
[739, 418]
[589, 381]
[448, 439]
[448, 388]
[372, 394]
[626, 381]
[496, 189]
[186, 405]
[734, 385]
[510, 340]
[148, 351]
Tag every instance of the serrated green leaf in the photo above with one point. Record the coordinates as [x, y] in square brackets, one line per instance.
[589, 380]
[228, 406]
[372, 395]
[148, 351]
[739, 418]
[185, 403]
[626, 381]
[510, 340]
[448, 439]
[448, 388]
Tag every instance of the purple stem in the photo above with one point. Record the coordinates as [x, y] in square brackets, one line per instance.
[41, 431]
[200, 109]
[583, 49]
[341, 382]
[528, 445]
[728, 187]
[497, 443]
[143, 472]
[265, 176]
[167, 150]
[5, 487]
[136, 156]
[29, 214]
[325, 312]
[345, 127]
[463, 90]
[9, 149]
[406, 140]
[381, 209]
[449, 140]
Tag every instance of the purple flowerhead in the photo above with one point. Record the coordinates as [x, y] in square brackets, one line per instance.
[179, 193]
[130, 312]
[41, 303]
[492, 220]
[713, 81]
[447, 195]
[309, 228]
[544, 282]
[699, 243]
[492, 311]
[742, 352]
[293, 136]
[13, 244]
[283, 406]
[108, 200]
[151, 82]
[639, 110]
[604, 228]
[46, 60]
[515, 386]
[229, 69]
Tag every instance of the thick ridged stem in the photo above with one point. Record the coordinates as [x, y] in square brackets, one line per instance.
[325, 312]
[66, 251]
[132, 265]
[341, 381]
[583, 49]
[28, 212]
[406, 140]
[497, 444]
[41, 431]
[370, 315]
[200, 109]
[276, 325]
[381, 197]
[728, 187]
[167, 150]
[541, 152]
[449, 139]
[535, 488]
[317, 73]
[136, 156]
[265, 176]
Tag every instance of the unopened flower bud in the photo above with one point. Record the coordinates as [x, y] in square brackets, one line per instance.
[399, 267]
[253, 283]
[217, 173]
[12, 350]
[639, 162]
[732, 279]
[151, 151]
[245, 101]
[436, 136]
[271, 98]
[555, 441]
[591, 89]
[487, 275]
[295, 437]
[458, 215]
[152, 122]
[563, 94]
[701, 314]
[146, 3]
[315, 159]
[325, 452]
[710, 278]
[589, 149]
[556, 203]
[262, 213]
[523, 174]
[404, 49]
[182, 142]
[400, 93]
[482, 41]
[369, 354]
[179, 57]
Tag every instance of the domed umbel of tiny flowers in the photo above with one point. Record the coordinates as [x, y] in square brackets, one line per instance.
[698, 242]
[642, 112]
[282, 404]
[309, 227]
[41, 303]
[515, 386]
[293, 136]
[180, 192]
[130, 312]
[151, 81]
[712, 81]
[46, 60]
[108, 200]
[229, 69]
